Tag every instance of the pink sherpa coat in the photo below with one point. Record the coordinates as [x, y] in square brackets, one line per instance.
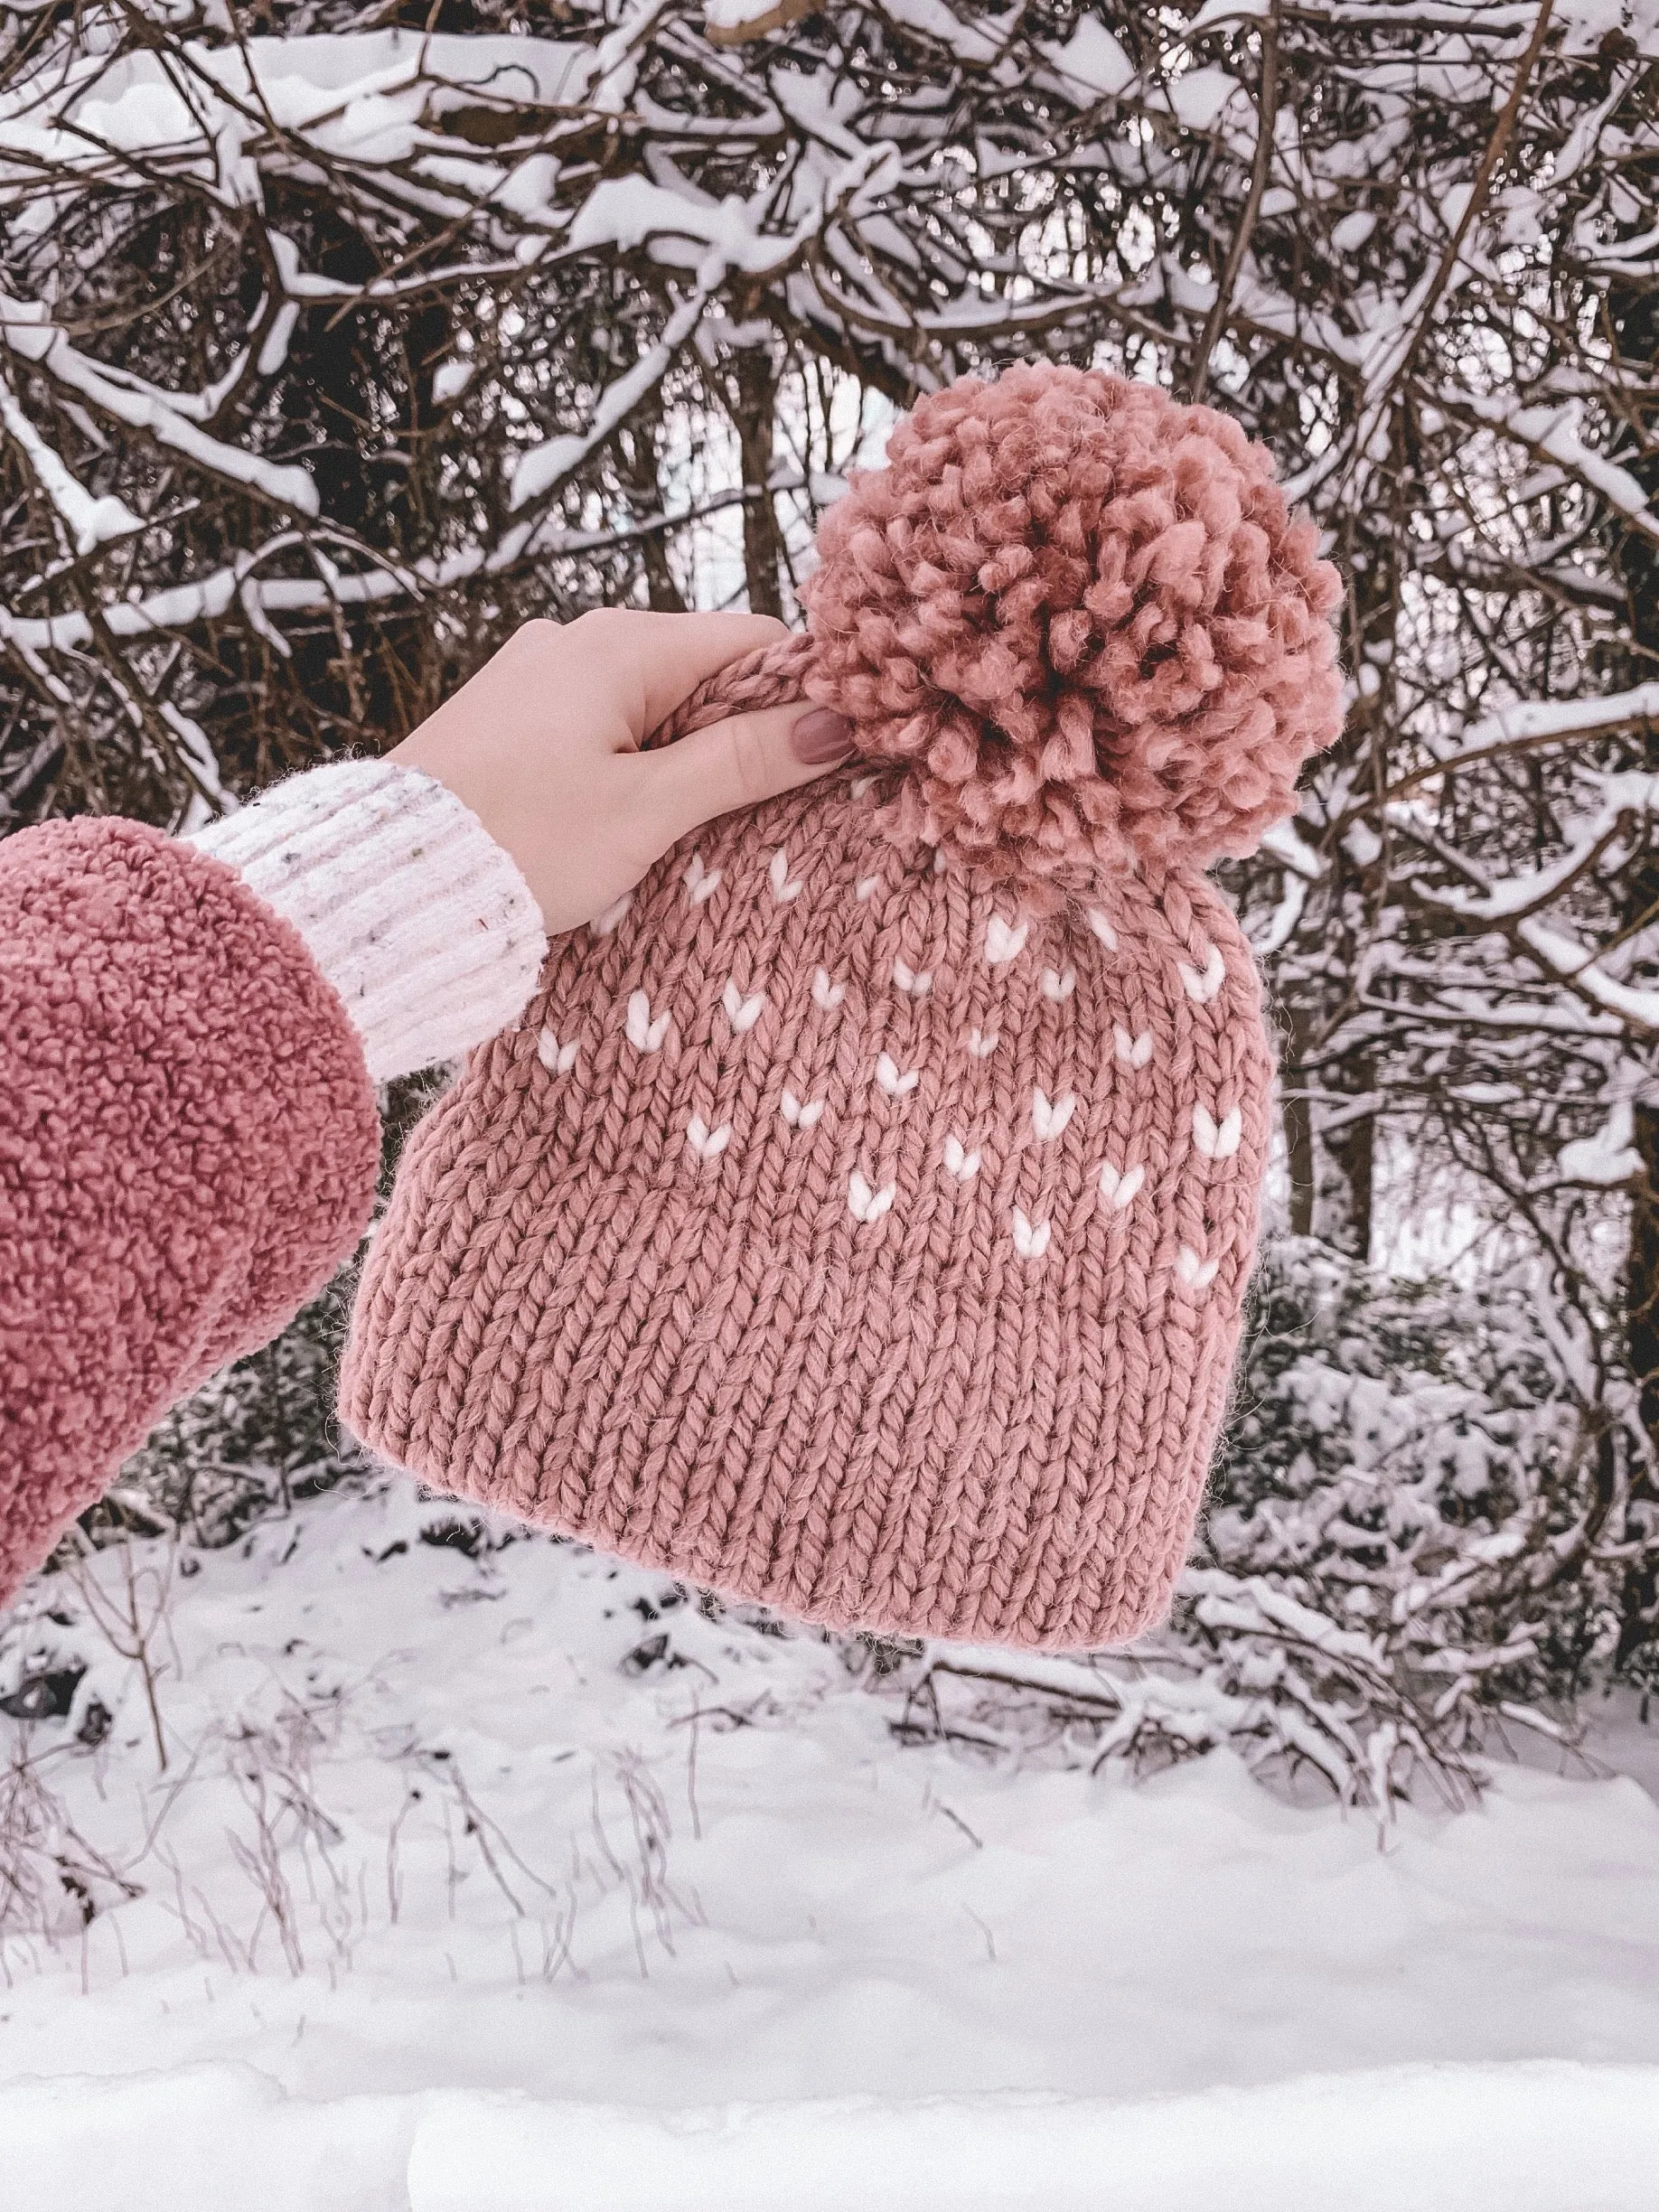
[188, 1148]
[191, 1033]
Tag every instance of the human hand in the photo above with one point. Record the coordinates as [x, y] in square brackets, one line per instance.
[543, 746]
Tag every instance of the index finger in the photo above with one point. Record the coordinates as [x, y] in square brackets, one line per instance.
[648, 663]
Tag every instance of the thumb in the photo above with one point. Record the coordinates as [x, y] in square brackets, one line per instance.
[739, 762]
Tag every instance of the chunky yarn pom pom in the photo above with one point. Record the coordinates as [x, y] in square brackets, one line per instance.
[1080, 616]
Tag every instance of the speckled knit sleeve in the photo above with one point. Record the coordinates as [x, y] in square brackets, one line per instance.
[417, 917]
[188, 1146]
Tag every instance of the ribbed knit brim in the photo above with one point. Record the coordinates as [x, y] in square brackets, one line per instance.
[827, 1236]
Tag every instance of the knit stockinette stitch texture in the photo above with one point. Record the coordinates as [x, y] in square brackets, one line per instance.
[860, 1217]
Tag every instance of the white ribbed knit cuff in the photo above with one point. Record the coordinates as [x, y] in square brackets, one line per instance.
[414, 913]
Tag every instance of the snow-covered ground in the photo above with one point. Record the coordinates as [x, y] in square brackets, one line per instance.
[495, 1881]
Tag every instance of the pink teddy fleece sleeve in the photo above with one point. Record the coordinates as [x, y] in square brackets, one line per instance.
[188, 1143]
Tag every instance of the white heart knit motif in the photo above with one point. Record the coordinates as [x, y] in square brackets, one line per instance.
[963, 1165]
[982, 1044]
[699, 881]
[603, 923]
[1003, 941]
[1050, 1116]
[908, 979]
[865, 885]
[1059, 985]
[865, 1204]
[1117, 1187]
[1196, 1273]
[1030, 1237]
[707, 1143]
[1102, 929]
[556, 1058]
[799, 1116]
[825, 993]
[1217, 1139]
[1134, 1051]
[783, 888]
[1204, 987]
[741, 1012]
[888, 1076]
[643, 1034]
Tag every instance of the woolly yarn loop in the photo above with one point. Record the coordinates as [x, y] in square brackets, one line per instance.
[1079, 619]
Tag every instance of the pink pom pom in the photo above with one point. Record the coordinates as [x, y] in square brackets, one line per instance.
[1080, 617]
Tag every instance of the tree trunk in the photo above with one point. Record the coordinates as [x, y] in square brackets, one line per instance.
[753, 408]
[638, 465]
[1635, 317]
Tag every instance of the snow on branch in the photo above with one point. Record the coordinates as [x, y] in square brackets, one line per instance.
[91, 523]
[1553, 433]
[1545, 721]
[33, 337]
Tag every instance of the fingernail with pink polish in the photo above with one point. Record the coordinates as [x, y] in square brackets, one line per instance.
[820, 736]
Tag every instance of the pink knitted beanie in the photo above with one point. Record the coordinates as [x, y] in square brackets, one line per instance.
[860, 1217]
